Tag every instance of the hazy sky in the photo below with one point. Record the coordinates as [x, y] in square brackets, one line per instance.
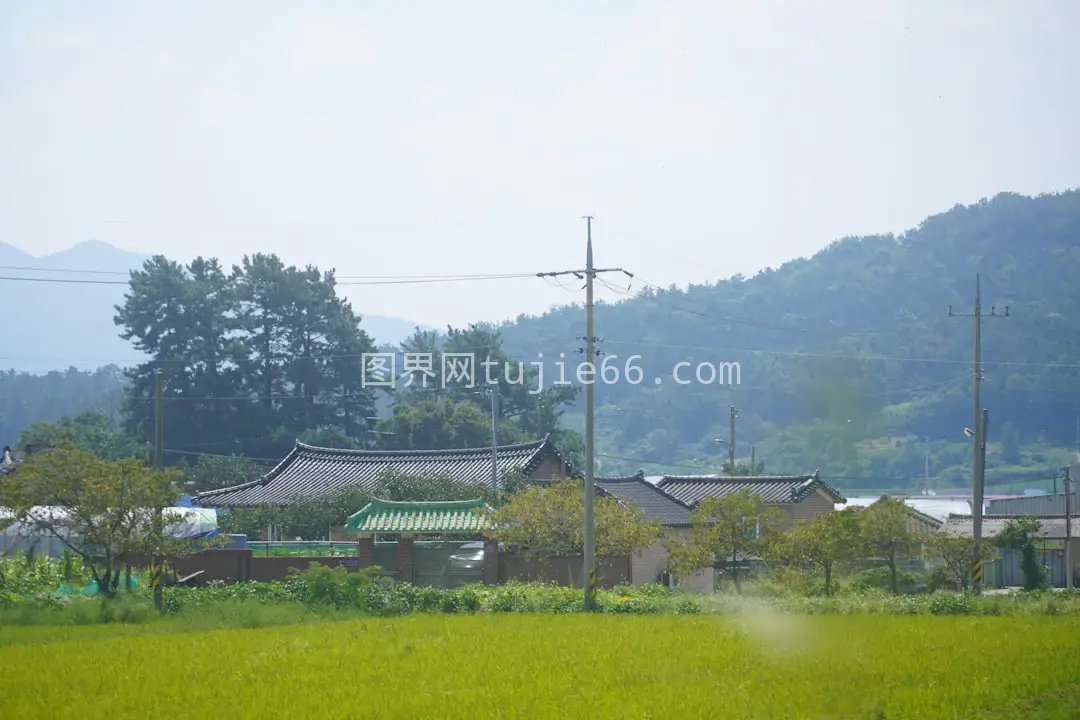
[707, 138]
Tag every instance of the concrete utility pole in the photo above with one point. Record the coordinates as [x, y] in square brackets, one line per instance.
[978, 433]
[732, 414]
[588, 274]
[159, 463]
[1068, 529]
[495, 437]
[753, 462]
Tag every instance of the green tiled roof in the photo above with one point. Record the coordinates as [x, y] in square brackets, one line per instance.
[386, 516]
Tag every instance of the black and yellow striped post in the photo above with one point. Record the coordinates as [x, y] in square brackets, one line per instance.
[977, 573]
[592, 588]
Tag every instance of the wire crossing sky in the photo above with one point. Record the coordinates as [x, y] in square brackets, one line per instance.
[707, 138]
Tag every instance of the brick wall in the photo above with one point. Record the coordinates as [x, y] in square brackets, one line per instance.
[265, 569]
[225, 565]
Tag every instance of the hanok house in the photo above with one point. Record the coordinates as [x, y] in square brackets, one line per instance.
[1049, 539]
[801, 497]
[650, 565]
[310, 473]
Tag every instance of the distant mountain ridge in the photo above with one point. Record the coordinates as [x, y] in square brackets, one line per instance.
[52, 323]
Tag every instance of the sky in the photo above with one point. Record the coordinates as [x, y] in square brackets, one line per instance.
[706, 138]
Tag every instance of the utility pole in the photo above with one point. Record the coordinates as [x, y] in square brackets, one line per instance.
[753, 462]
[731, 438]
[159, 462]
[978, 436]
[588, 274]
[495, 437]
[926, 469]
[1068, 529]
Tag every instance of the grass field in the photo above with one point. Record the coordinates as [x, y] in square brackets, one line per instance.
[553, 666]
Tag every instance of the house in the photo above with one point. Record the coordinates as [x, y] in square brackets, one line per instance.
[1049, 543]
[801, 497]
[310, 473]
[650, 566]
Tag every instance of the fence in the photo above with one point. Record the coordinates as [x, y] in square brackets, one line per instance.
[446, 564]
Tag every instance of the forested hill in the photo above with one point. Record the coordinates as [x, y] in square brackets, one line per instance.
[849, 356]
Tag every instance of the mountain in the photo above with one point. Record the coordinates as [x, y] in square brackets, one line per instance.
[54, 323]
[849, 360]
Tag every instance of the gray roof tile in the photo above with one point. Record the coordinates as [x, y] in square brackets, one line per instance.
[658, 505]
[773, 489]
[311, 472]
[1050, 528]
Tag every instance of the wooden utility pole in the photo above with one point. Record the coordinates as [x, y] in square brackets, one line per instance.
[589, 274]
[978, 433]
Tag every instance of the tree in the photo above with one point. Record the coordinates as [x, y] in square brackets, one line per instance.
[733, 528]
[743, 469]
[548, 521]
[90, 431]
[956, 555]
[103, 511]
[328, 436]
[826, 542]
[428, 424]
[211, 472]
[186, 319]
[1019, 535]
[886, 528]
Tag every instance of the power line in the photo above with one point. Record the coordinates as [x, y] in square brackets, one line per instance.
[381, 281]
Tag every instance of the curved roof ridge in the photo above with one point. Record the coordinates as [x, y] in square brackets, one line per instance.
[301, 446]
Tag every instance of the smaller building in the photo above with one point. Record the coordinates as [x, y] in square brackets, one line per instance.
[1049, 541]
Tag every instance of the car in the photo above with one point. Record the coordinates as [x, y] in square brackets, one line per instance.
[470, 556]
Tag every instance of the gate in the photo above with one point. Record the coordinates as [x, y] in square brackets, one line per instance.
[448, 563]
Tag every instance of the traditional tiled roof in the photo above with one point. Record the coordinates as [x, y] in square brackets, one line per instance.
[1050, 528]
[658, 505]
[310, 472]
[385, 516]
[772, 489]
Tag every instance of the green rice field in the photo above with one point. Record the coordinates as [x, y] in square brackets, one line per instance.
[553, 666]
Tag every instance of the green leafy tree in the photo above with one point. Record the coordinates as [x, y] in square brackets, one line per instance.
[1019, 535]
[329, 436]
[730, 529]
[548, 521]
[102, 511]
[827, 542]
[956, 555]
[887, 529]
[90, 431]
[210, 472]
[186, 319]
